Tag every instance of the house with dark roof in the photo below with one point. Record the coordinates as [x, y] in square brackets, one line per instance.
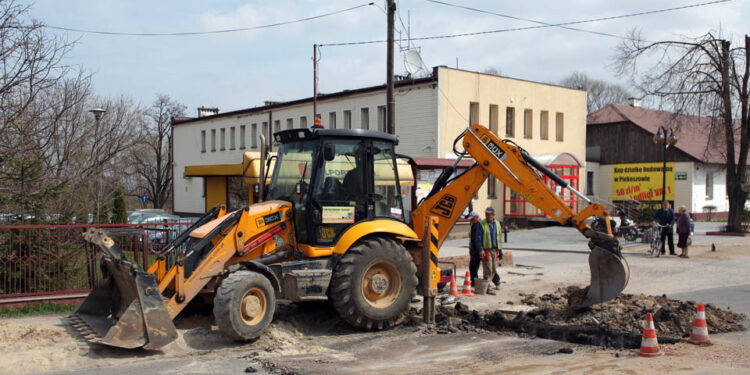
[624, 161]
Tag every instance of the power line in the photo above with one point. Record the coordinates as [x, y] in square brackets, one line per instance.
[540, 26]
[212, 31]
[526, 19]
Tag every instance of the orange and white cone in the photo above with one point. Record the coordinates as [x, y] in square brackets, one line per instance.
[466, 291]
[700, 328]
[649, 343]
[454, 288]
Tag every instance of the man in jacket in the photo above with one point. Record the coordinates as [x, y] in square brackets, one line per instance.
[475, 247]
[665, 217]
[489, 234]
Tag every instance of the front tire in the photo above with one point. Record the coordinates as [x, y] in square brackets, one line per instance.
[244, 305]
[374, 283]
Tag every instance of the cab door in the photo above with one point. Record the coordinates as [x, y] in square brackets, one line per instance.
[341, 188]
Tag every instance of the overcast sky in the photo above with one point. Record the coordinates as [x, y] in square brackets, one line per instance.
[239, 70]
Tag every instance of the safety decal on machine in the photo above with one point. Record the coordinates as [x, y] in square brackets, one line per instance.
[338, 215]
[268, 219]
[444, 207]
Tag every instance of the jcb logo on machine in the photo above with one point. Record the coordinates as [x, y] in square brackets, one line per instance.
[493, 147]
[268, 219]
[444, 207]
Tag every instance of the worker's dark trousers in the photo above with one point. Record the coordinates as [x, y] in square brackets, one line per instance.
[475, 258]
[667, 232]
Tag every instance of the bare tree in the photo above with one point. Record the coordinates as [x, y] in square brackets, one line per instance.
[152, 158]
[695, 75]
[51, 149]
[598, 93]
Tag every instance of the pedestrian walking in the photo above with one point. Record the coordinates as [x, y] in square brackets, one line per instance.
[684, 228]
[489, 234]
[475, 247]
[665, 217]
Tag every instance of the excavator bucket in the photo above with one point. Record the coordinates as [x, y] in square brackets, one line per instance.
[610, 272]
[126, 308]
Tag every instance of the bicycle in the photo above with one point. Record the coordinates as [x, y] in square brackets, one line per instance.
[656, 239]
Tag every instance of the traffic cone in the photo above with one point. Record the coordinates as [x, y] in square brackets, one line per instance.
[466, 291]
[649, 344]
[700, 328]
[454, 288]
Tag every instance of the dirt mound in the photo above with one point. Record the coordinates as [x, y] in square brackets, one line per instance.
[617, 323]
[672, 318]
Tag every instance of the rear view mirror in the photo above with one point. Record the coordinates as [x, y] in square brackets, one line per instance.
[329, 151]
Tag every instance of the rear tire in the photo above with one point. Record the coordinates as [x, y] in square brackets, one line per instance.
[244, 305]
[374, 283]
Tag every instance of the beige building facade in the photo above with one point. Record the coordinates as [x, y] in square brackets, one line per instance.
[548, 121]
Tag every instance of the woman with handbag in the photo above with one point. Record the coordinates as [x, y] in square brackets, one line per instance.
[683, 231]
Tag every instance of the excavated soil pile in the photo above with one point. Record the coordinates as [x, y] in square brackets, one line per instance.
[617, 323]
[672, 318]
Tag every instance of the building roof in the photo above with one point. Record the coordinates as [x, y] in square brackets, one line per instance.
[693, 133]
[558, 158]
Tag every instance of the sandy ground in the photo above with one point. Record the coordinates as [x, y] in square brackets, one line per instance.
[309, 338]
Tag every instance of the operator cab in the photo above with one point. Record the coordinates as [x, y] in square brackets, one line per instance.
[335, 178]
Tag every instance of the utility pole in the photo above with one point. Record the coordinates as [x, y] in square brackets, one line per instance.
[315, 82]
[390, 105]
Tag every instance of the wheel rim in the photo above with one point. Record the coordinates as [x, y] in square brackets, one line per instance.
[381, 284]
[253, 306]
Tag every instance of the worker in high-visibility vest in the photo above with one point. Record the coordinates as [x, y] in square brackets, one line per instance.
[489, 234]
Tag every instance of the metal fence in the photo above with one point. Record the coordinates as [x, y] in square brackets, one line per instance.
[43, 262]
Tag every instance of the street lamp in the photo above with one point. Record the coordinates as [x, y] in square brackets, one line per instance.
[664, 136]
[98, 112]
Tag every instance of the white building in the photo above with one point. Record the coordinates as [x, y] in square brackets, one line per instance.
[430, 113]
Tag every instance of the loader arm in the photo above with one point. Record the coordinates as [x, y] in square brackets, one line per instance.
[520, 172]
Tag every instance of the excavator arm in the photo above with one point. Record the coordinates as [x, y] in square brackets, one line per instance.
[517, 170]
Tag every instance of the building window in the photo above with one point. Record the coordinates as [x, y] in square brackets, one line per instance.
[544, 125]
[242, 137]
[709, 186]
[266, 129]
[473, 113]
[528, 123]
[276, 126]
[510, 122]
[559, 126]
[365, 118]
[332, 120]
[590, 183]
[254, 135]
[381, 118]
[493, 118]
[231, 137]
[213, 140]
[223, 139]
[203, 141]
[491, 188]
[303, 122]
[347, 119]
[289, 123]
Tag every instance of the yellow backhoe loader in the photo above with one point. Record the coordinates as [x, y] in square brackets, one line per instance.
[332, 226]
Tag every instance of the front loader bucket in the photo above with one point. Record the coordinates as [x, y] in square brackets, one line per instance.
[126, 308]
[610, 273]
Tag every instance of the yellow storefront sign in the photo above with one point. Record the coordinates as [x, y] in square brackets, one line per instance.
[642, 181]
